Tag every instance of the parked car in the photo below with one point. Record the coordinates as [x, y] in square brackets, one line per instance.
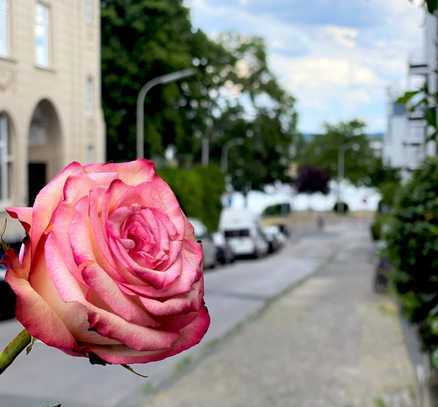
[7, 297]
[224, 251]
[275, 237]
[243, 232]
[284, 229]
[210, 251]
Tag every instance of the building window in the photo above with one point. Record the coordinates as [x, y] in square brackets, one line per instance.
[89, 96]
[89, 11]
[4, 28]
[42, 35]
[6, 160]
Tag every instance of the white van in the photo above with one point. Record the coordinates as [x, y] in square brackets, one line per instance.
[243, 232]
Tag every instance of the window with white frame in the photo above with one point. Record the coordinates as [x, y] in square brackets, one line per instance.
[42, 34]
[89, 96]
[6, 158]
[4, 28]
[89, 11]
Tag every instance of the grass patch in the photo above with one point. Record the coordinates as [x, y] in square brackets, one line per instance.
[380, 402]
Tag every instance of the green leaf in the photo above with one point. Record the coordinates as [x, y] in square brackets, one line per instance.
[408, 96]
[431, 117]
[432, 6]
[96, 360]
[435, 358]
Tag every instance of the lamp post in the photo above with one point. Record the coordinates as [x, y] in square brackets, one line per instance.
[225, 151]
[159, 80]
[341, 163]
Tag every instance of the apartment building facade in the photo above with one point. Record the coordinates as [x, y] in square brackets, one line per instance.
[50, 98]
[406, 143]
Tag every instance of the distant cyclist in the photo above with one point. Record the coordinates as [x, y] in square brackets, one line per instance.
[320, 223]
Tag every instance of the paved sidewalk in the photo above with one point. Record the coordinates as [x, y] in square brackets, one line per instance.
[328, 342]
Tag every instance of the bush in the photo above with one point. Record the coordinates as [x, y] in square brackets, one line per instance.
[281, 209]
[199, 191]
[379, 226]
[376, 229]
[312, 179]
[413, 248]
[388, 190]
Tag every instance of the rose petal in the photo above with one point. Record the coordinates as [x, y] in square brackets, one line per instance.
[190, 336]
[158, 279]
[176, 305]
[38, 317]
[66, 284]
[131, 173]
[134, 336]
[23, 214]
[191, 256]
[47, 200]
[153, 194]
[110, 293]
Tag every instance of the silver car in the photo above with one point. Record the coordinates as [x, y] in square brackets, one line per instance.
[210, 251]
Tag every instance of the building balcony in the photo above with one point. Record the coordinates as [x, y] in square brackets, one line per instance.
[417, 116]
[418, 68]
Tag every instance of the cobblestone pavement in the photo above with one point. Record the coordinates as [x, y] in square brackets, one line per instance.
[328, 342]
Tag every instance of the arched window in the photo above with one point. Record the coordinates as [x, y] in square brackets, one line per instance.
[6, 158]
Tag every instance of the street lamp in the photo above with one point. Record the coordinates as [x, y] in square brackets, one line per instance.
[341, 162]
[226, 149]
[159, 80]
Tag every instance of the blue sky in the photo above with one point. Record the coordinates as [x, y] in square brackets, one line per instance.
[337, 57]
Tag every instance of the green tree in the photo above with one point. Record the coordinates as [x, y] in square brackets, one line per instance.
[322, 151]
[142, 39]
[432, 5]
[263, 115]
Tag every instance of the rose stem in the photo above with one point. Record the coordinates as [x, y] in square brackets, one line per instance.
[13, 349]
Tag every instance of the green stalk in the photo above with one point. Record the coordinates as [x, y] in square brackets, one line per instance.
[13, 349]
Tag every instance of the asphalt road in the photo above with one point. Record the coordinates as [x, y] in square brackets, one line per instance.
[46, 376]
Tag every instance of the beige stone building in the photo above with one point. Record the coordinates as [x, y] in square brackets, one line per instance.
[50, 99]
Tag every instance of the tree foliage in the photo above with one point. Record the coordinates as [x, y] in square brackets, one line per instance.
[233, 95]
[423, 101]
[413, 248]
[322, 151]
[432, 6]
[311, 180]
[143, 39]
[199, 191]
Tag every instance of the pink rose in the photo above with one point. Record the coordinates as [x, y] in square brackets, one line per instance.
[111, 267]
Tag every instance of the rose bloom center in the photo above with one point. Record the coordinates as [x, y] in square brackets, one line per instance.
[144, 234]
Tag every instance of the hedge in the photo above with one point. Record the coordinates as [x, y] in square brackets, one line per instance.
[413, 248]
[199, 191]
